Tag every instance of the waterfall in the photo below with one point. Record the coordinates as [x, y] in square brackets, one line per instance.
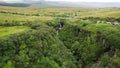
[59, 28]
[60, 25]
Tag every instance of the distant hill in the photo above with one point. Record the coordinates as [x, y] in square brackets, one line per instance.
[25, 3]
[14, 4]
[80, 4]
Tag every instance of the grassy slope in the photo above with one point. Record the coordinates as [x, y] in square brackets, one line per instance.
[6, 31]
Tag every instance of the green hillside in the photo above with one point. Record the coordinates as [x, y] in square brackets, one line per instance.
[51, 37]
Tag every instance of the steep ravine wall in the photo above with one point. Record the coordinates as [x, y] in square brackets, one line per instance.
[89, 46]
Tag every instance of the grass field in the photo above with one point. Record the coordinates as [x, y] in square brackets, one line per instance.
[11, 14]
[61, 12]
[113, 12]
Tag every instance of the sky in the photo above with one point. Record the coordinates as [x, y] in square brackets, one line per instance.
[87, 0]
[66, 0]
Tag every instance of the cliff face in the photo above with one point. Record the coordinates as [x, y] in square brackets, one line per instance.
[91, 44]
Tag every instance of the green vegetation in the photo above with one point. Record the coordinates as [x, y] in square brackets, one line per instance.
[53, 37]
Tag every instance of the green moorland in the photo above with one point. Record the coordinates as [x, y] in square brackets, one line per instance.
[30, 37]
